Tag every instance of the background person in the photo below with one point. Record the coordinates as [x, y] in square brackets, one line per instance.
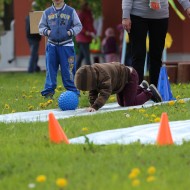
[142, 17]
[109, 46]
[34, 43]
[84, 38]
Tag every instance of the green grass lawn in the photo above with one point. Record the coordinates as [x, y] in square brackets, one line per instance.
[26, 152]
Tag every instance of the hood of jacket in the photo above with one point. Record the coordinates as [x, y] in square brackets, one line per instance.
[86, 78]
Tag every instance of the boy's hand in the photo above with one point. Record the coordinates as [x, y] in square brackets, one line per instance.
[48, 32]
[69, 32]
[90, 109]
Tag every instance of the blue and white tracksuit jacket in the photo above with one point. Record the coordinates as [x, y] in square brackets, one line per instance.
[60, 46]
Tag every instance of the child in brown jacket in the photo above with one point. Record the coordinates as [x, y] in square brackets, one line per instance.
[102, 80]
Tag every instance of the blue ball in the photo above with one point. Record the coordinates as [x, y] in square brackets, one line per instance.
[68, 100]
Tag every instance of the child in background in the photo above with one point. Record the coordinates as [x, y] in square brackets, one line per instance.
[86, 35]
[109, 46]
[59, 23]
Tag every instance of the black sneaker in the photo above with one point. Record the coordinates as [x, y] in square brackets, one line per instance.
[156, 97]
[144, 84]
[49, 96]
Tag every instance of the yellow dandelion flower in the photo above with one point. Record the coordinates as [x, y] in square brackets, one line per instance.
[46, 104]
[42, 105]
[135, 182]
[181, 101]
[153, 115]
[84, 129]
[134, 173]
[178, 97]
[157, 119]
[30, 107]
[146, 115]
[61, 182]
[150, 179]
[49, 102]
[112, 99]
[7, 106]
[41, 178]
[151, 170]
[142, 110]
[59, 88]
[13, 111]
[136, 170]
[171, 103]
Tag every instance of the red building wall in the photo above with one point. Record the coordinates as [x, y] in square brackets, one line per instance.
[112, 15]
[21, 10]
[180, 31]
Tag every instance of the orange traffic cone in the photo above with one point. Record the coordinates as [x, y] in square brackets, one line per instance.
[164, 134]
[56, 133]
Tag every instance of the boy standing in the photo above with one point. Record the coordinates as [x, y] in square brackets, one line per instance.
[102, 80]
[59, 23]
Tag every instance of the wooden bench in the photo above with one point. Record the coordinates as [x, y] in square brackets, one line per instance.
[172, 70]
[178, 72]
[183, 72]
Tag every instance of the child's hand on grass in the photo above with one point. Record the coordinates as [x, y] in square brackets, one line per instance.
[90, 109]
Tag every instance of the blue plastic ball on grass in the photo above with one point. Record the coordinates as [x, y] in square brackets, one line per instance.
[68, 100]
